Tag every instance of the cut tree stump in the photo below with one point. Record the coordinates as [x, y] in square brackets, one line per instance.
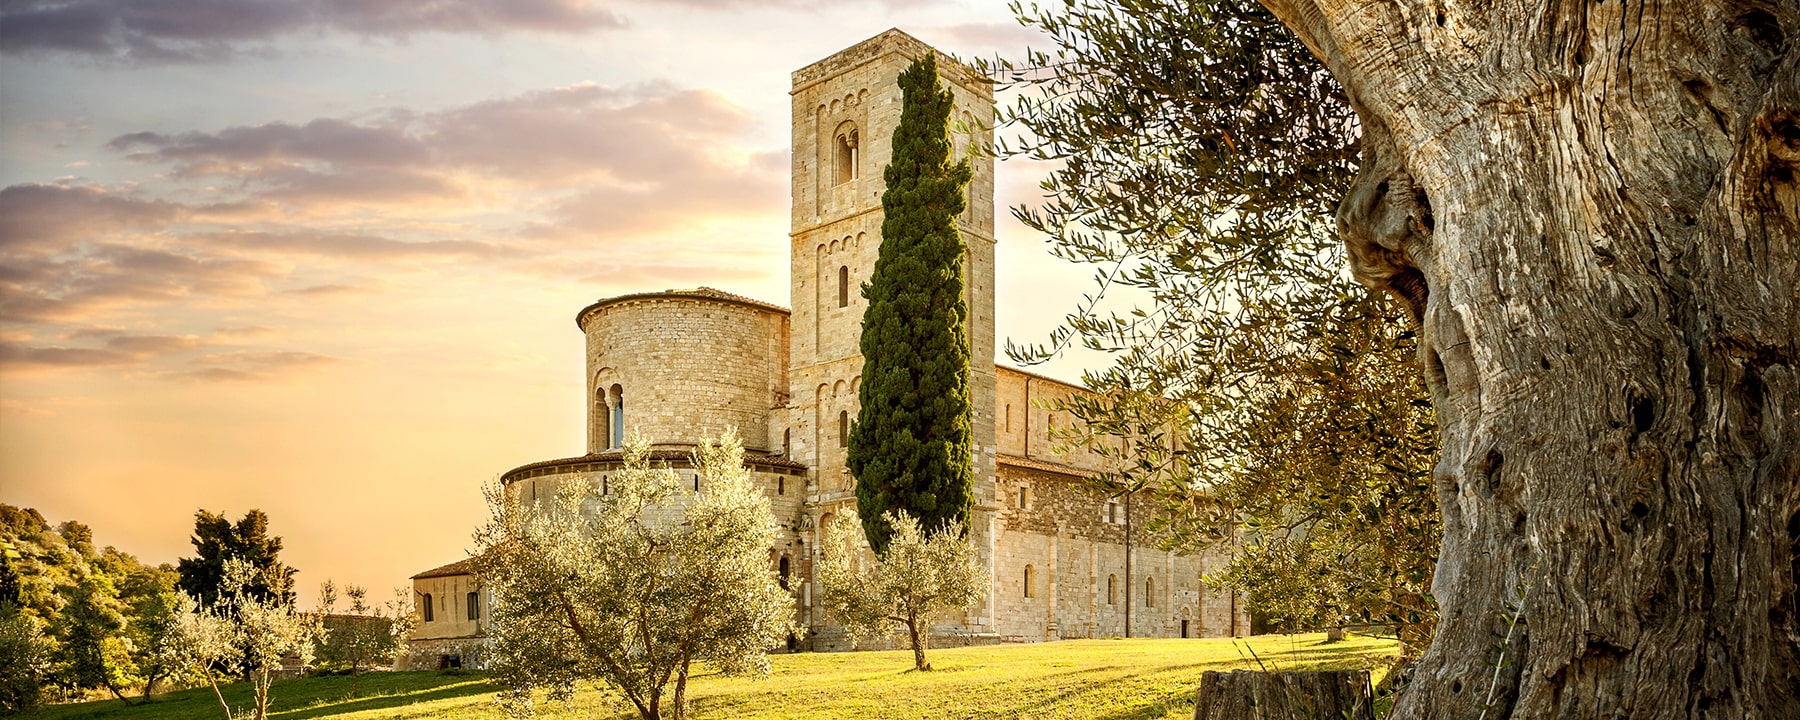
[1251, 695]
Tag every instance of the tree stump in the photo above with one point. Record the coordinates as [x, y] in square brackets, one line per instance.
[1251, 695]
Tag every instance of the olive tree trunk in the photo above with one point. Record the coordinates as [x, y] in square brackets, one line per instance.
[1252, 695]
[1592, 209]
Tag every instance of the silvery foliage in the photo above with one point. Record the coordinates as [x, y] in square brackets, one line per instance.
[628, 588]
[920, 578]
[240, 634]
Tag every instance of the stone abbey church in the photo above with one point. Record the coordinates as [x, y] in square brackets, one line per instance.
[680, 365]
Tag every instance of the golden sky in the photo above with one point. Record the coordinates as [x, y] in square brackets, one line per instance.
[323, 257]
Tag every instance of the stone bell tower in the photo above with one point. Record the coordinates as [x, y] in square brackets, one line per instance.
[845, 109]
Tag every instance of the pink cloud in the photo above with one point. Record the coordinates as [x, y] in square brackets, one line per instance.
[203, 30]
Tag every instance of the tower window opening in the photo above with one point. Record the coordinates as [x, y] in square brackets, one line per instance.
[846, 156]
[844, 286]
[616, 398]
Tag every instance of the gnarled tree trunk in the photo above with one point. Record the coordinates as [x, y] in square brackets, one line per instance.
[1251, 695]
[1593, 209]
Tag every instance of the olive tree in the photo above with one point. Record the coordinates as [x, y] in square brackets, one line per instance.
[242, 631]
[1590, 212]
[630, 587]
[921, 576]
[366, 635]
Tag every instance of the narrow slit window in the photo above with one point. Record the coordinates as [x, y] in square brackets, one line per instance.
[843, 428]
[1149, 592]
[1112, 589]
[844, 286]
[1029, 591]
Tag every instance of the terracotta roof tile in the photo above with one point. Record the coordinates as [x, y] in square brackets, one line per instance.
[464, 566]
[674, 456]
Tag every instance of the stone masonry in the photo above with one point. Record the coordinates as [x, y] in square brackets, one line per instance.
[680, 365]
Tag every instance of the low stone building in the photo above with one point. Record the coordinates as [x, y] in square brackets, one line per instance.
[681, 365]
[452, 613]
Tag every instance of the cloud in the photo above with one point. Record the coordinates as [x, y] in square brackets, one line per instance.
[604, 159]
[580, 131]
[348, 246]
[331, 290]
[201, 30]
[252, 365]
[244, 331]
[57, 215]
[69, 285]
[515, 180]
[117, 350]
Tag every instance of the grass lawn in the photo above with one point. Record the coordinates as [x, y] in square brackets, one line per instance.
[1102, 679]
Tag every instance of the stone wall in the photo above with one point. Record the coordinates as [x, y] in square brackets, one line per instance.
[688, 364]
[1075, 547]
[449, 607]
[434, 654]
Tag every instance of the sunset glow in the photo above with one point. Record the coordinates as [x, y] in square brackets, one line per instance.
[324, 258]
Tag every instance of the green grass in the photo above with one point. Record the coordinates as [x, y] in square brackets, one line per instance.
[1102, 679]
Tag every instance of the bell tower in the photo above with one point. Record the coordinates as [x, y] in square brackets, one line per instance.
[845, 109]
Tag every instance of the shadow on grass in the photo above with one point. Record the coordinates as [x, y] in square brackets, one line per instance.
[464, 687]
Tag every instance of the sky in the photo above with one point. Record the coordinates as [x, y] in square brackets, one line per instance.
[323, 257]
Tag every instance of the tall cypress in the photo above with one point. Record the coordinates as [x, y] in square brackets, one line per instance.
[910, 448]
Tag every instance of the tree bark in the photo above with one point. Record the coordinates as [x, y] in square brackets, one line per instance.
[1251, 695]
[1592, 209]
[918, 645]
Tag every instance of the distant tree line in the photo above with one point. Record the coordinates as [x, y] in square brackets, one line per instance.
[81, 622]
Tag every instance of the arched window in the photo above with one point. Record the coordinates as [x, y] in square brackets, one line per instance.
[474, 606]
[1149, 592]
[616, 397]
[1029, 592]
[844, 286]
[783, 570]
[843, 428]
[846, 154]
[427, 608]
[1112, 589]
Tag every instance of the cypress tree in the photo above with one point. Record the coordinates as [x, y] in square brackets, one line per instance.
[910, 448]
